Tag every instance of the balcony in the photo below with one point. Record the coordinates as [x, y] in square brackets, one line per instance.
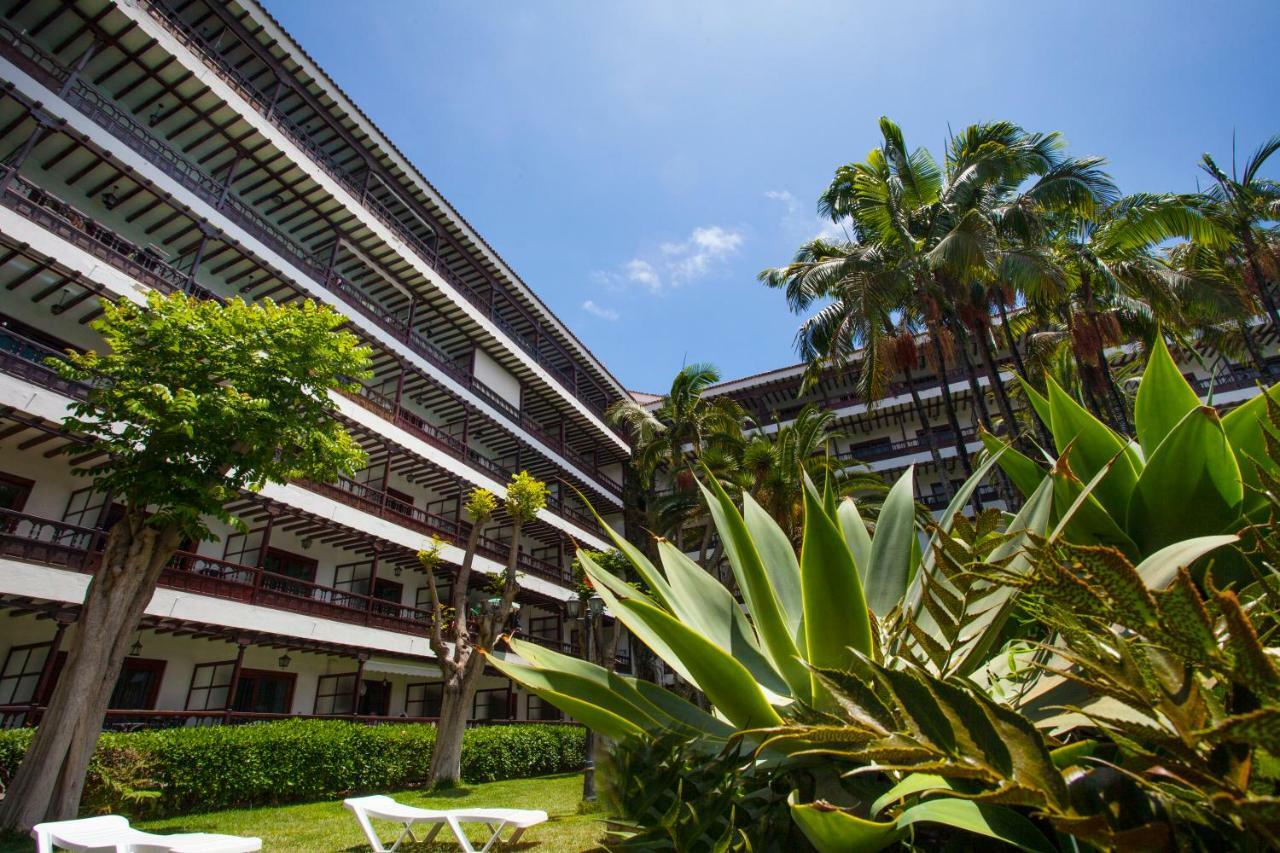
[264, 105]
[27, 359]
[50, 212]
[97, 107]
[893, 449]
[56, 543]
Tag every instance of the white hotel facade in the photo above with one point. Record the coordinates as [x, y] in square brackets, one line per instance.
[192, 145]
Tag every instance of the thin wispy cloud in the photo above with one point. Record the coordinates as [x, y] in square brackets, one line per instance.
[802, 226]
[675, 263]
[599, 311]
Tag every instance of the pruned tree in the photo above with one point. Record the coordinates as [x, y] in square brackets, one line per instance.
[454, 639]
[191, 404]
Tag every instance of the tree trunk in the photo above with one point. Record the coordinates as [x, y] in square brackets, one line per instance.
[1042, 429]
[51, 778]
[1113, 390]
[975, 386]
[948, 404]
[455, 708]
[1255, 354]
[930, 440]
[1264, 290]
[993, 377]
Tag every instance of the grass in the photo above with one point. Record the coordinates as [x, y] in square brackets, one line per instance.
[327, 827]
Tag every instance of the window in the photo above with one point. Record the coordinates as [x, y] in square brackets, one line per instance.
[21, 673]
[444, 588]
[258, 691]
[385, 590]
[423, 700]
[210, 683]
[491, 704]
[333, 694]
[264, 692]
[545, 627]
[540, 709]
[375, 698]
[138, 685]
[14, 492]
[290, 565]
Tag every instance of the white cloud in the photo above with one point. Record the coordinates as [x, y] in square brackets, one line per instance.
[676, 263]
[801, 226]
[599, 311]
[642, 272]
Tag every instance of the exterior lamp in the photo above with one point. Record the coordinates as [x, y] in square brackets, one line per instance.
[285, 660]
[589, 616]
[136, 649]
[398, 569]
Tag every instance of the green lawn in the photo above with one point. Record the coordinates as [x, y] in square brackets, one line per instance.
[327, 827]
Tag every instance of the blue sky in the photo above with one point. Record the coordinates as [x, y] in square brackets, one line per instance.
[639, 162]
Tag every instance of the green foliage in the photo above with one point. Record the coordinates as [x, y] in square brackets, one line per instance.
[431, 558]
[490, 753]
[173, 771]
[526, 496]
[194, 401]
[668, 794]
[480, 505]
[1183, 449]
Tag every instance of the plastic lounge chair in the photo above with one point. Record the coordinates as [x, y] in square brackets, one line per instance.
[112, 834]
[380, 807]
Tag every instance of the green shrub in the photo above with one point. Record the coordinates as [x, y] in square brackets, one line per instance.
[173, 771]
[490, 753]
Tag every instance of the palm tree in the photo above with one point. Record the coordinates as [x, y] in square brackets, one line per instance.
[1113, 286]
[775, 467]
[684, 421]
[950, 227]
[684, 424]
[865, 321]
[1245, 206]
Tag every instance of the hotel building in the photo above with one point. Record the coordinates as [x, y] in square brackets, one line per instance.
[172, 145]
[192, 145]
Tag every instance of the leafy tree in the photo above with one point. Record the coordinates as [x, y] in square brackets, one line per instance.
[683, 417]
[191, 403]
[1246, 205]
[454, 638]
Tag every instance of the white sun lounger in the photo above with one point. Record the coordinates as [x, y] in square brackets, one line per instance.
[385, 808]
[112, 834]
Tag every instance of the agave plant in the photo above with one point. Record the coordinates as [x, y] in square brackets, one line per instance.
[1190, 472]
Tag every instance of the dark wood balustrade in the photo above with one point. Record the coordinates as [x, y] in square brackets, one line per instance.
[118, 719]
[266, 107]
[57, 543]
[39, 206]
[53, 74]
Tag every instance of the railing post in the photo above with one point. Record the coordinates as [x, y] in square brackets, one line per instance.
[43, 126]
[231, 174]
[262, 554]
[64, 618]
[79, 66]
[399, 389]
[408, 323]
[205, 231]
[241, 644]
[359, 682]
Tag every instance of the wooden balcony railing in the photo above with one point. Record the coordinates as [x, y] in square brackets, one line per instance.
[57, 543]
[118, 719]
[25, 358]
[889, 450]
[47, 210]
[103, 111]
[263, 104]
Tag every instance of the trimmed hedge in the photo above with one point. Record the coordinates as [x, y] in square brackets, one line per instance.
[175, 771]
